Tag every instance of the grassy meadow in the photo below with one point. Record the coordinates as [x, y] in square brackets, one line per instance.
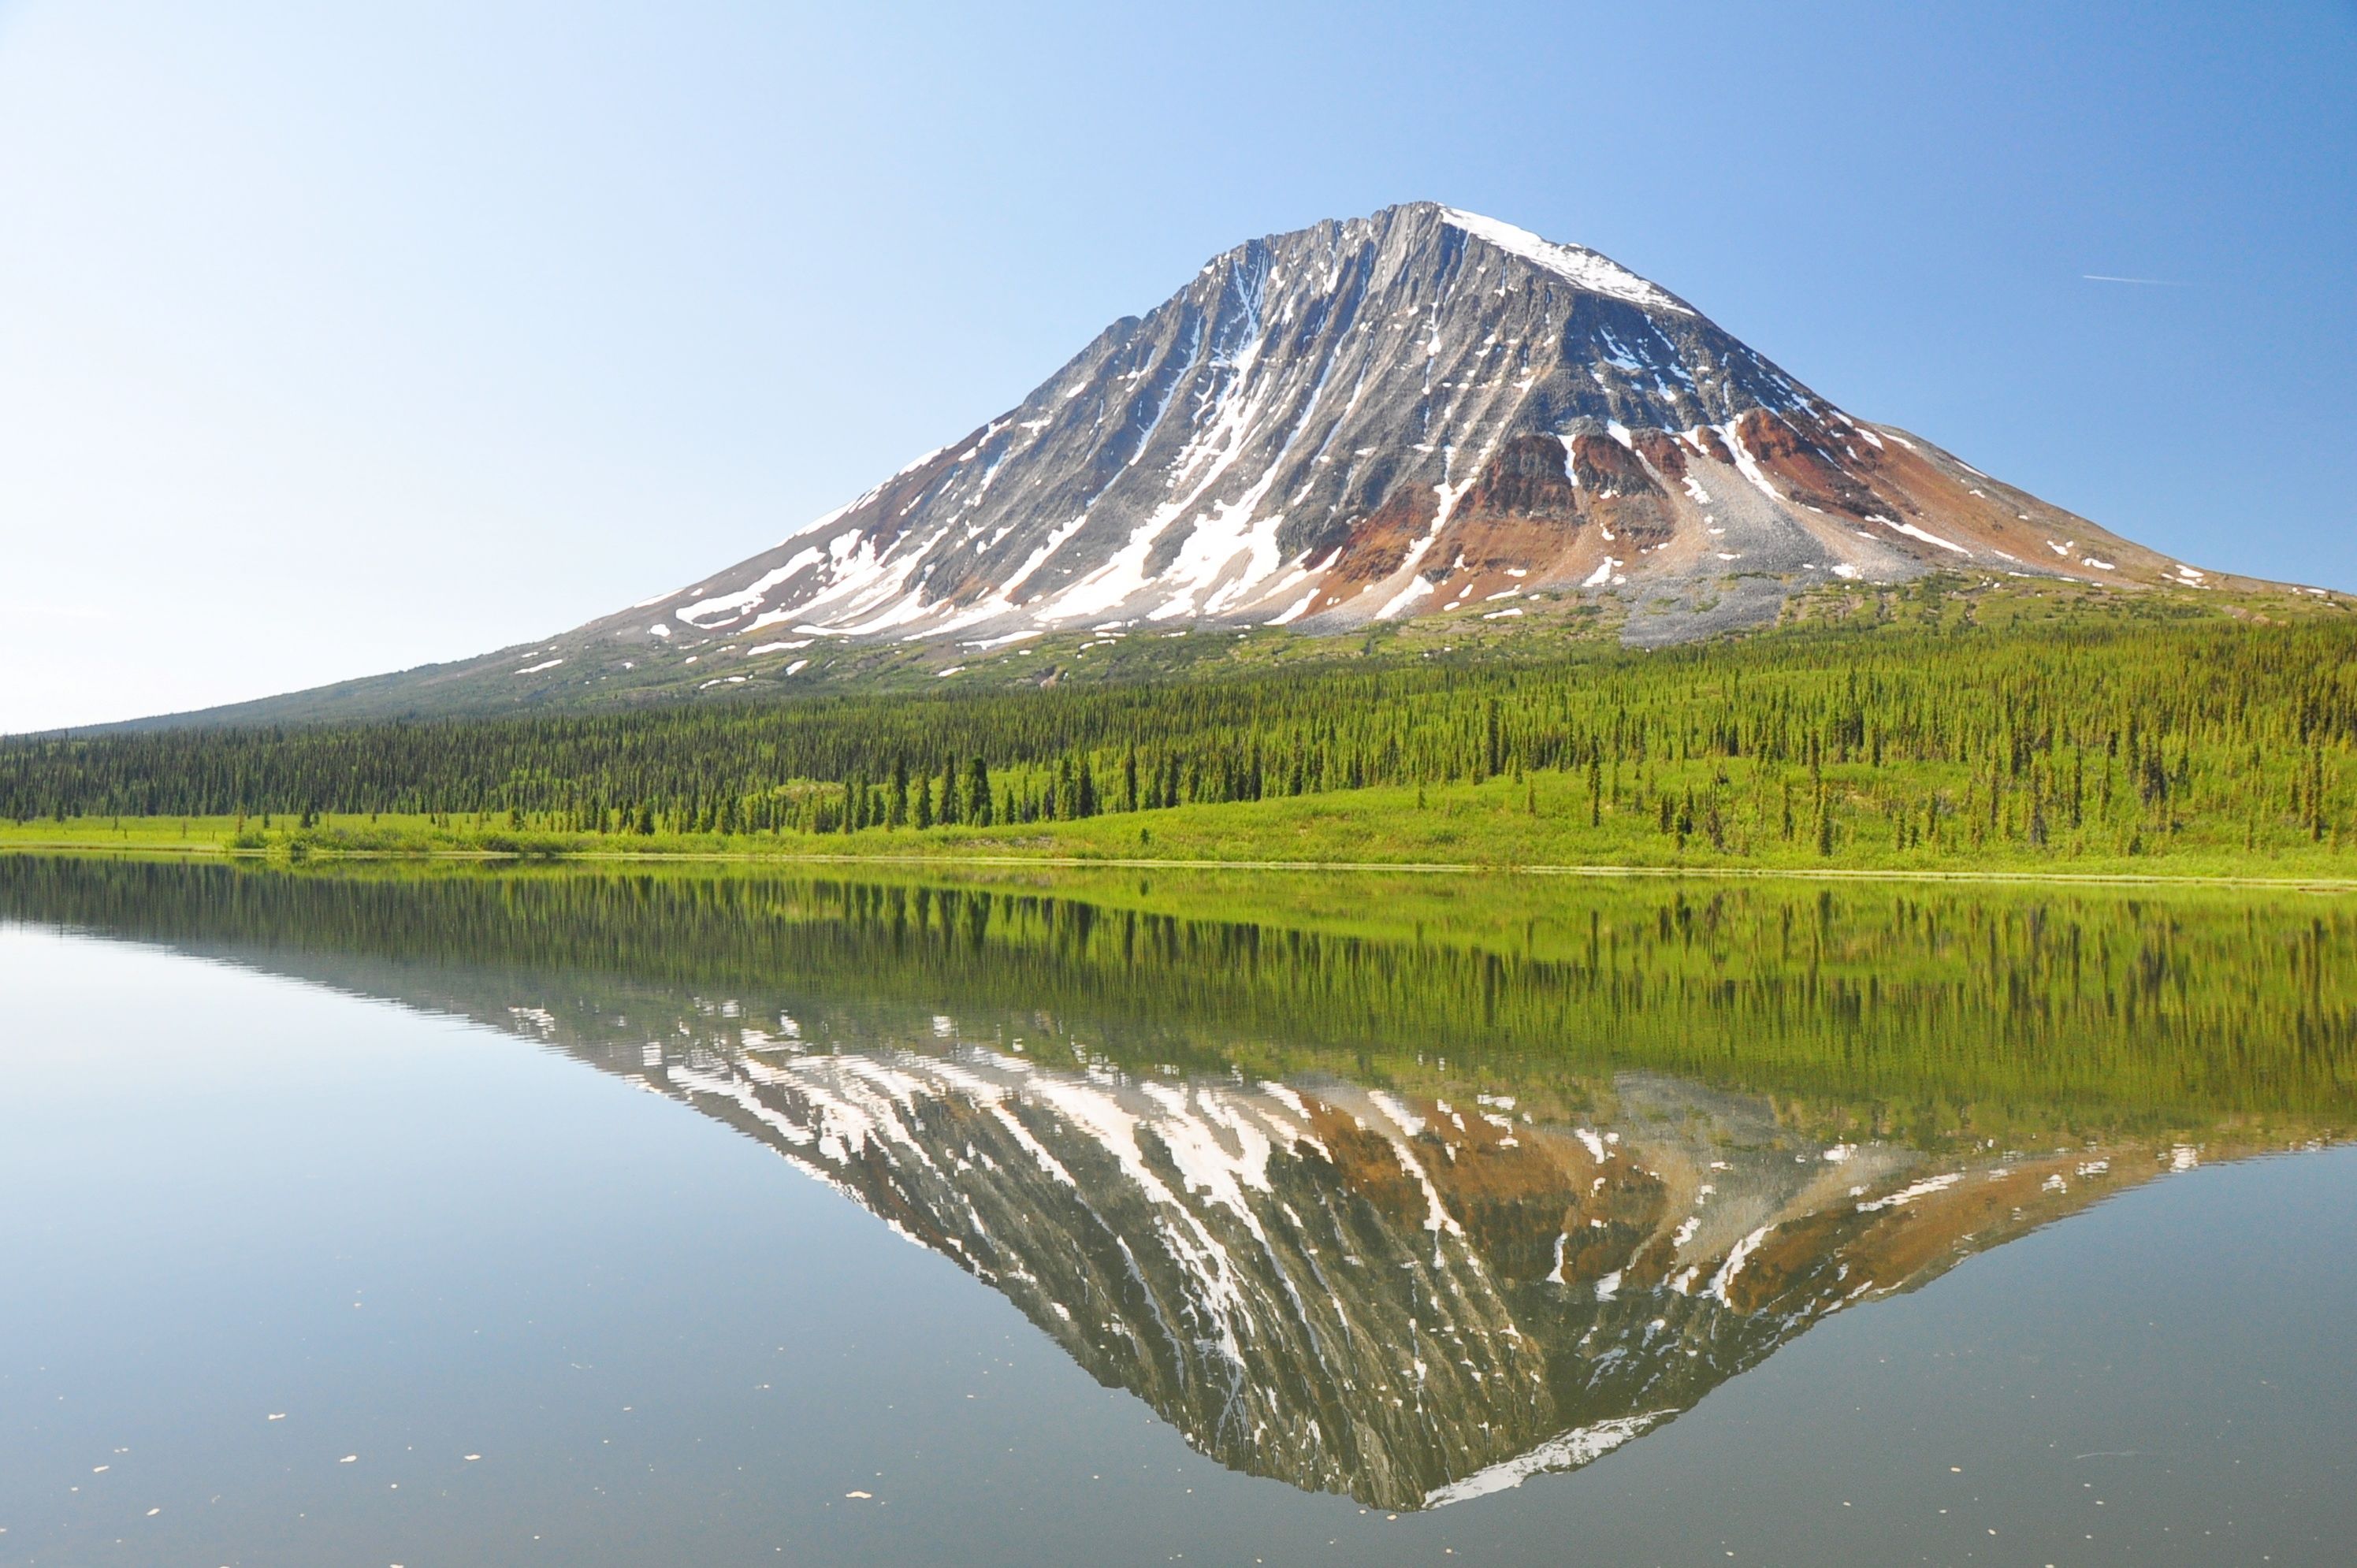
[1542, 822]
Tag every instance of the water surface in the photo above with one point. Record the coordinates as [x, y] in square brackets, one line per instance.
[566, 1217]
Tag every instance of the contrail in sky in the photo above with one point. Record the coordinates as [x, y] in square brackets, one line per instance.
[2156, 283]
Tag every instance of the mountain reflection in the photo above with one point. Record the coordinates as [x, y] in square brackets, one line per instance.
[1355, 1271]
[1408, 1299]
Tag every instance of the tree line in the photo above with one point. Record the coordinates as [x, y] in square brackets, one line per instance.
[1948, 738]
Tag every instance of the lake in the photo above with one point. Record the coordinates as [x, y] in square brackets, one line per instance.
[456, 1215]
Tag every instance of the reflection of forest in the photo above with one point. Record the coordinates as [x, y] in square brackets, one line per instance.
[1918, 1005]
[1405, 1219]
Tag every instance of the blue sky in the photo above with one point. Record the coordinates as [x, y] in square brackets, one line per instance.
[340, 339]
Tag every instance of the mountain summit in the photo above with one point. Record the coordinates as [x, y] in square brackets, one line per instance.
[1393, 415]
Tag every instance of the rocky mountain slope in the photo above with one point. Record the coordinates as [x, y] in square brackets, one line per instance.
[1419, 413]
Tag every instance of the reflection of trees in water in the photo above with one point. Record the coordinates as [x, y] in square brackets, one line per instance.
[1921, 1001]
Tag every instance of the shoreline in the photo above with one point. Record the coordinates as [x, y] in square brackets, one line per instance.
[2321, 885]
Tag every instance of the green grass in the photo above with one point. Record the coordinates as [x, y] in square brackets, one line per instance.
[1539, 822]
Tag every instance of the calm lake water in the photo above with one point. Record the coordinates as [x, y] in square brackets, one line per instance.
[580, 1218]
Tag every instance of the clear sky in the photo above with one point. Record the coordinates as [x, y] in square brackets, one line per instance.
[340, 338]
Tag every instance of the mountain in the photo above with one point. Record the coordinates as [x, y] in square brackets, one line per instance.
[1419, 413]
[1402, 414]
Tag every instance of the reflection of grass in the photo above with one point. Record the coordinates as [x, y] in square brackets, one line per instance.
[1541, 820]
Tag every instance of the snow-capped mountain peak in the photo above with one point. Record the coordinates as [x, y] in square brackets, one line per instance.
[1574, 263]
[1420, 412]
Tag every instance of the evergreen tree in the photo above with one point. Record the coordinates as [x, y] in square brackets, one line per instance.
[978, 791]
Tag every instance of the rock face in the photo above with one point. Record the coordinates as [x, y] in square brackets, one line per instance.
[1417, 411]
